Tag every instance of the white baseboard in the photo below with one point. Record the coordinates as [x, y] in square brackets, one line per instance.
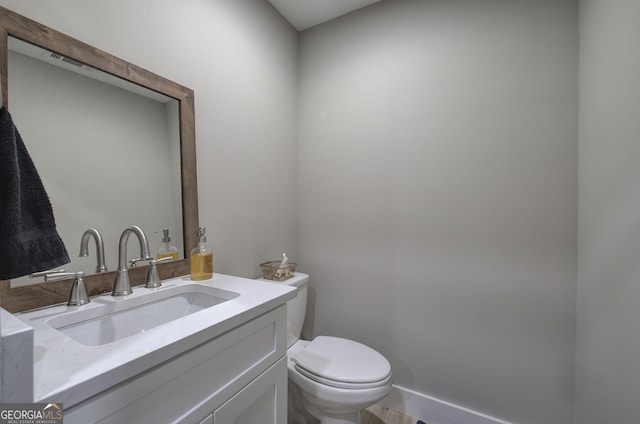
[432, 410]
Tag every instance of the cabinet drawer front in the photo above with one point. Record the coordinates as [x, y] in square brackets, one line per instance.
[188, 387]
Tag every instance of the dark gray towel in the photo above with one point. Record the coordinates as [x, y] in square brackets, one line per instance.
[29, 241]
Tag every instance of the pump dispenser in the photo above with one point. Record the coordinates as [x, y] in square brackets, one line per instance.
[167, 250]
[201, 259]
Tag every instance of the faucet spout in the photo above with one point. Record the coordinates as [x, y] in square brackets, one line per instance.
[122, 285]
[84, 248]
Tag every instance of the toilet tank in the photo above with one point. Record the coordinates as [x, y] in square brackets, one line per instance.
[296, 307]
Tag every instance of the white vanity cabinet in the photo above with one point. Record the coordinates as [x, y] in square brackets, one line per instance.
[238, 377]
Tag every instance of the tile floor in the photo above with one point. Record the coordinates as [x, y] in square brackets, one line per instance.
[378, 414]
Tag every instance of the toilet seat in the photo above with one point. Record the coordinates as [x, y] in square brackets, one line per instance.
[342, 363]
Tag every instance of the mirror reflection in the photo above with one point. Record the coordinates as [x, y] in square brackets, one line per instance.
[107, 151]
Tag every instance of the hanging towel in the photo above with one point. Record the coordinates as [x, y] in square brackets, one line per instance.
[29, 241]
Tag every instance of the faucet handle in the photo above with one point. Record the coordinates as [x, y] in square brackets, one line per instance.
[153, 278]
[78, 295]
[55, 275]
[45, 273]
[154, 262]
[134, 262]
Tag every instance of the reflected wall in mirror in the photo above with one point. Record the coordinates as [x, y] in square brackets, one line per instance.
[72, 153]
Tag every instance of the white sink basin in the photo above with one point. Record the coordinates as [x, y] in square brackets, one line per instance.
[118, 318]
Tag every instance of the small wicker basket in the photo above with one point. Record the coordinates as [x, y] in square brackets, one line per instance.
[271, 270]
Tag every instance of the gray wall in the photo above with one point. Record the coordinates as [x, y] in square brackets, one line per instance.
[240, 59]
[608, 325]
[437, 196]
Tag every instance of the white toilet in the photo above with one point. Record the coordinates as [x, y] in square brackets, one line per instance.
[335, 377]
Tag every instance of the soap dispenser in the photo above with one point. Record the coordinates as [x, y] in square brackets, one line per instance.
[201, 259]
[167, 250]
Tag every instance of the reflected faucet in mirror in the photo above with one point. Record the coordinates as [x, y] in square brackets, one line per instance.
[122, 284]
[84, 248]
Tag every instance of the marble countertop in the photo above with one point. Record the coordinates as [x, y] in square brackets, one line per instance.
[68, 372]
[17, 355]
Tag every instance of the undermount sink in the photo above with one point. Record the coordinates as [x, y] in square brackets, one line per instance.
[118, 318]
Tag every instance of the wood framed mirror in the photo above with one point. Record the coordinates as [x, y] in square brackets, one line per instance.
[31, 32]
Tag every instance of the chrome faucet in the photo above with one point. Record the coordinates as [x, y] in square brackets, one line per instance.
[84, 248]
[122, 285]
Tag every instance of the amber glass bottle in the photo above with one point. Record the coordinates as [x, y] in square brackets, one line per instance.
[167, 250]
[201, 259]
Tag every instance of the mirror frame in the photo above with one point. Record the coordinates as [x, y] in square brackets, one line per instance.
[17, 26]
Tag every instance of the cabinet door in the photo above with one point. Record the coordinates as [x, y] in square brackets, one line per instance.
[263, 401]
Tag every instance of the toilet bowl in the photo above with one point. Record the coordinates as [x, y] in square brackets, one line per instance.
[335, 377]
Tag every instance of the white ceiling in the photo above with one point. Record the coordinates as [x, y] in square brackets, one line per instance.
[303, 14]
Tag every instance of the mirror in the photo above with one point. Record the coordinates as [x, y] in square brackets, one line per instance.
[137, 166]
[107, 152]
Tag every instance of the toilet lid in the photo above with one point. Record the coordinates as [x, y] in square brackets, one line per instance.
[342, 363]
